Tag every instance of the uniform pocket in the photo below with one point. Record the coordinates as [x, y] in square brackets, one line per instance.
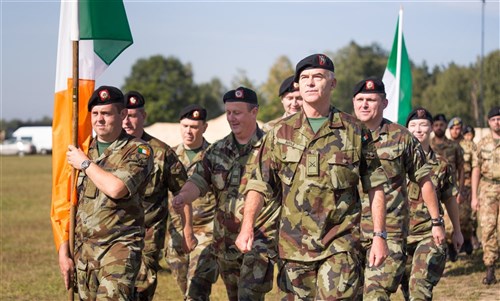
[344, 169]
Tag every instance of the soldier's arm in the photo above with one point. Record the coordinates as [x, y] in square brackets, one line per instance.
[66, 265]
[379, 250]
[452, 209]
[253, 204]
[431, 201]
[476, 174]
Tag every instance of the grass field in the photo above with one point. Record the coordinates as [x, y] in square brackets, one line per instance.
[28, 261]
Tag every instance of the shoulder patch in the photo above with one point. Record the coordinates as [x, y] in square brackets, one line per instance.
[142, 149]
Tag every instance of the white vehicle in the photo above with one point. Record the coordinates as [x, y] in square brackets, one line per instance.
[13, 146]
[40, 136]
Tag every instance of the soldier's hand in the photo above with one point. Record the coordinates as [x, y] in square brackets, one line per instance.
[459, 198]
[178, 203]
[66, 266]
[457, 239]
[189, 243]
[244, 241]
[438, 235]
[75, 156]
[378, 252]
[474, 204]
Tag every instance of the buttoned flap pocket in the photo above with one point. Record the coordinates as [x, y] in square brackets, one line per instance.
[344, 169]
[219, 176]
[391, 161]
[290, 158]
[486, 154]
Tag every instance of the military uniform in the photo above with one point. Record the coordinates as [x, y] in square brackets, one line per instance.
[426, 261]
[316, 176]
[109, 232]
[466, 217]
[222, 170]
[487, 159]
[401, 155]
[197, 271]
[168, 175]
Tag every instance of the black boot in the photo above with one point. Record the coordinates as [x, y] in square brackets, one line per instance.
[452, 253]
[467, 247]
[490, 276]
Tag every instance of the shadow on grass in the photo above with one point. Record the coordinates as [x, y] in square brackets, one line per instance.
[466, 264]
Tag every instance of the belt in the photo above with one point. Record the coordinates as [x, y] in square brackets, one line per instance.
[491, 181]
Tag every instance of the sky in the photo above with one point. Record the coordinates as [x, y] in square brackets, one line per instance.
[218, 38]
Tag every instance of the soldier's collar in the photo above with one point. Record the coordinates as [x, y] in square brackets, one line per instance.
[335, 119]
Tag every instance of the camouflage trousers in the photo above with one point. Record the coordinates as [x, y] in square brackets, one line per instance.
[424, 268]
[489, 217]
[334, 278]
[110, 275]
[249, 277]
[380, 282]
[194, 272]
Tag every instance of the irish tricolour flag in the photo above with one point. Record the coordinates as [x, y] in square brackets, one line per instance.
[397, 78]
[102, 31]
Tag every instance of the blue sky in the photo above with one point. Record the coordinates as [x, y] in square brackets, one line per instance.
[218, 38]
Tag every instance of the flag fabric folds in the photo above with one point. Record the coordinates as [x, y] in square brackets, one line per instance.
[397, 78]
[103, 32]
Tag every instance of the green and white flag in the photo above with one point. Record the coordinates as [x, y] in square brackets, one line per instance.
[397, 78]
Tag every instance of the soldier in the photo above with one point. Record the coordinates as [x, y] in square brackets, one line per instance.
[291, 100]
[466, 223]
[222, 170]
[453, 154]
[401, 156]
[168, 174]
[110, 218]
[469, 133]
[197, 271]
[311, 164]
[486, 192]
[426, 259]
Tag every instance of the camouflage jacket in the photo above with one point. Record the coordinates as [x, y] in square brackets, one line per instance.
[451, 151]
[102, 221]
[316, 177]
[469, 148]
[442, 177]
[401, 155]
[487, 158]
[203, 207]
[270, 124]
[222, 171]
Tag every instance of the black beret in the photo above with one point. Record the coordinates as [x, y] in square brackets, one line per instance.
[193, 112]
[134, 100]
[468, 129]
[241, 94]
[369, 85]
[419, 113]
[455, 121]
[287, 86]
[440, 117]
[495, 111]
[319, 61]
[105, 95]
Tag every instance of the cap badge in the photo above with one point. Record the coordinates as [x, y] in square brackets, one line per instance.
[133, 100]
[420, 114]
[370, 85]
[196, 114]
[322, 60]
[104, 95]
[239, 94]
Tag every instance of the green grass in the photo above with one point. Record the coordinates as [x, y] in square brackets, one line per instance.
[28, 260]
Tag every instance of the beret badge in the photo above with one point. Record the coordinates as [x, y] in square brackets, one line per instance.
[196, 114]
[420, 114]
[133, 100]
[104, 95]
[370, 85]
[239, 94]
[322, 60]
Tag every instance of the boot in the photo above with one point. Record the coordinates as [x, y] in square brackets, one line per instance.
[490, 276]
[452, 253]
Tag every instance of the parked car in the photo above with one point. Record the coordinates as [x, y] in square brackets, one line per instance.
[14, 146]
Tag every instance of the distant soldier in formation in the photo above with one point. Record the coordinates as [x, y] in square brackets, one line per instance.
[453, 153]
[486, 192]
[402, 157]
[291, 100]
[109, 234]
[311, 163]
[168, 174]
[197, 271]
[426, 259]
[223, 170]
[469, 133]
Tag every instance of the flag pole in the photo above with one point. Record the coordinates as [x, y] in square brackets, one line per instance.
[399, 53]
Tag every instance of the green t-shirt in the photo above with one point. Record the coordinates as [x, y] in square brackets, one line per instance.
[316, 123]
[191, 153]
[102, 146]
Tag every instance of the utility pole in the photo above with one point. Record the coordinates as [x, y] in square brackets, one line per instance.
[481, 82]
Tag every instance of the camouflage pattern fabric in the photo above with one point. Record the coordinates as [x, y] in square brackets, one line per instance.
[168, 175]
[197, 271]
[338, 274]
[270, 124]
[316, 176]
[104, 243]
[224, 170]
[451, 151]
[487, 158]
[466, 216]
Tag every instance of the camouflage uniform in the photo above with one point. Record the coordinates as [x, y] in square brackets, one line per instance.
[426, 261]
[168, 174]
[487, 158]
[467, 220]
[316, 176]
[400, 154]
[222, 170]
[109, 233]
[197, 271]
[270, 124]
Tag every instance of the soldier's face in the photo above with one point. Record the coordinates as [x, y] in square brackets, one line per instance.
[192, 132]
[494, 123]
[292, 102]
[241, 120]
[421, 129]
[455, 132]
[107, 122]
[133, 124]
[369, 106]
[316, 85]
[439, 128]
[469, 136]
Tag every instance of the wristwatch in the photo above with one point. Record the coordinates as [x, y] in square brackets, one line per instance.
[382, 234]
[85, 164]
[437, 222]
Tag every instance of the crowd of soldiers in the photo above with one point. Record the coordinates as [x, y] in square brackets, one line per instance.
[344, 207]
